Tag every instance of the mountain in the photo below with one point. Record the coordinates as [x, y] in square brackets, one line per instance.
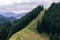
[39, 24]
[18, 16]
[11, 19]
[30, 32]
[45, 26]
[7, 14]
[4, 19]
[1, 16]
[12, 14]
[24, 21]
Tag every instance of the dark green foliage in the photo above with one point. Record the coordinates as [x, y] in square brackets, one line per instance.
[51, 21]
[39, 27]
[4, 30]
[24, 21]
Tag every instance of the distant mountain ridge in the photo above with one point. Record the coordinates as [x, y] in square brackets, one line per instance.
[12, 14]
[11, 19]
[4, 19]
[1, 16]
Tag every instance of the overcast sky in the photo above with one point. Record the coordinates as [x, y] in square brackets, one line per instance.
[19, 6]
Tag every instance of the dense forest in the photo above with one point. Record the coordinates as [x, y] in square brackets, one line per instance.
[4, 30]
[51, 22]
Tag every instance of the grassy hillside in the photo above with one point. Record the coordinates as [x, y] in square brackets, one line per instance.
[24, 21]
[30, 32]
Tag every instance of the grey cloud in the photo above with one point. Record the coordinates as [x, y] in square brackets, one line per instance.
[25, 5]
[17, 7]
[22, 6]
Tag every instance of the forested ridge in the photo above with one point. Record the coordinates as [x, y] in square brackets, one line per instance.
[24, 21]
[48, 21]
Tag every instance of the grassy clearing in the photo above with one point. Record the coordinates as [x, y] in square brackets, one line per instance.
[30, 32]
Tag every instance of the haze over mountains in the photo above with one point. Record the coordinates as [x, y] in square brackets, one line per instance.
[10, 16]
[4, 19]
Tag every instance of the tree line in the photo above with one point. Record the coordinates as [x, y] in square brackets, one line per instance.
[51, 22]
[4, 30]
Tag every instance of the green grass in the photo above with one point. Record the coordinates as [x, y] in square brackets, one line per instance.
[30, 32]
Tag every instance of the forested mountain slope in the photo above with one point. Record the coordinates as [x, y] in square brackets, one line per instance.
[24, 21]
[30, 32]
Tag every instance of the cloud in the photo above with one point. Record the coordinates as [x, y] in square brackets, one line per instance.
[23, 5]
[56, 0]
[17, 7]
[8, 2]
[21, 1]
